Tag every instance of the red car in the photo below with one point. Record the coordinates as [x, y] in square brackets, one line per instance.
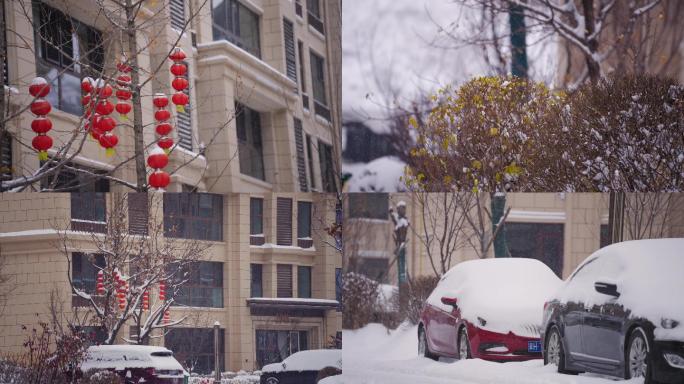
[489, 309]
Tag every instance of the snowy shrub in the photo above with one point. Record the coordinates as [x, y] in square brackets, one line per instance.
[100, 377]
[412, 298]
[624, 133]
[359, 295]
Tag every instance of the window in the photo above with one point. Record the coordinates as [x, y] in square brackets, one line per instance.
[290, 61]
[284, 280]
[66, 49]
[304, 282]
[236, 23]
[75, 178]
[5, 73]
[301, 164]
[314, 10]
[204, 286]
[326, 163]
[5, 156]
[256, 216]
[184, 120]
[298, 8]
[303, 219]
[194, 348]
[338, 284]
[256, 288]
[540, 241]
[84, 268]
[138, 213]
[284, 221]
[196, 216]
[318, 85]
[89, 211]
[309, 156]
[274, 346]
[368, 205]
[302, 77]
[177, 11]
[605, 239]
[250, 148]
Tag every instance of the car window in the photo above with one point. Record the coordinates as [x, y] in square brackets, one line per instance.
[581, 283]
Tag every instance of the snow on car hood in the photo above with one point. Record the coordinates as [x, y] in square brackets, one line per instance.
[650, 279]
[120, 357]
[509, 294]
[313, 360]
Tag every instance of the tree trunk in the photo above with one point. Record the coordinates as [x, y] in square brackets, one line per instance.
[138, 141]
[518, 43]
[593, 66]
[498, 205]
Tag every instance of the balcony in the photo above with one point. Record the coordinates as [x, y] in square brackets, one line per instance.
[88, 212]
[316, 23]
[321, 110]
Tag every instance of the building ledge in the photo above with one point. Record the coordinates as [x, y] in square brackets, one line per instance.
[267, 88]
[273, 306]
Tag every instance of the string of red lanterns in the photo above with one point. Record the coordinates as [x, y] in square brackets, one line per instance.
[123, 91]
[180, 82]
[41, 125]
[158, 157]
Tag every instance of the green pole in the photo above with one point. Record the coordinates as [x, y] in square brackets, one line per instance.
[401, 265]
[498, 205]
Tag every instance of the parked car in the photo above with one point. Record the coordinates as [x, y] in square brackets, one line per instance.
[135, 363]
[621, 313]
[488, 309]
[301, 367]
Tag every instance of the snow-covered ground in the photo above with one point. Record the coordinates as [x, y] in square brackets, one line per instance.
[371, 355]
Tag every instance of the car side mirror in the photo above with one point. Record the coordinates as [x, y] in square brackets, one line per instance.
[609, 289]
[449, 301]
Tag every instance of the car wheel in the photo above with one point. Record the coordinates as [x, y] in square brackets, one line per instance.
[423, 349]
[554, 352]
[637, 356]
[463, 345]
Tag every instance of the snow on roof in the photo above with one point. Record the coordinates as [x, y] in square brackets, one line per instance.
[508, 293]
[313, 360]
[294, 300]
[646, 272]
[120, 357]
[380, 175]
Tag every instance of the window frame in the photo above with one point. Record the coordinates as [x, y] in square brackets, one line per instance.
[196, 340]
[234, 35]
[247, 122]
[304, 292]
[256, 269]
[185, 210]
[194, 283]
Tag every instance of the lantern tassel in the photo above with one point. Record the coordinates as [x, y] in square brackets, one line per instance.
[42, 155]
[167, 151]
[123, 117]
[180, 108]
[109, 152]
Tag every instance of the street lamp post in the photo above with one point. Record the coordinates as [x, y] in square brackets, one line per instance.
[217, 365]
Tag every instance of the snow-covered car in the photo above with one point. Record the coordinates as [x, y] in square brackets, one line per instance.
[621, 313]
[301, 367]
[489, 309]
[135, 363]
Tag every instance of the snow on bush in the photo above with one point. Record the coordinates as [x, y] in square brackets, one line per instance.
[648, 275]
[380, 175]
[359, 298]
[241, 377]
[312, 360]
[507, 293]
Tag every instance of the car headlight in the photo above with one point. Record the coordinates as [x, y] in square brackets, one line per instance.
[674, 360]
[669, 323]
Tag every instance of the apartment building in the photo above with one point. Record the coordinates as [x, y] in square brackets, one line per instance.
[559, 229]
[263, 76]
[269, 278]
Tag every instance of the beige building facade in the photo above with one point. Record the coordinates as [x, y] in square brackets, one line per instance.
[263, 76]
[263, 288]
[560, 229]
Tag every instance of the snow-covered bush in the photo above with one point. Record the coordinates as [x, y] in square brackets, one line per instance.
[359, 295]
[623, 133]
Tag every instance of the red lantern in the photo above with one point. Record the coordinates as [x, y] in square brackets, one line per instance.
[123, 67]
[162, 290]
[87, 84]
[146, 301]
[167, 317]
[158, 160]
[178, 69]
[41, 125]
[179, 83]
[123, 109]
[159, 180]
[162, 115]
[106, 124]
[177, 54]
[39, 87]
[109, 141]
[180, 99]
[41, 107]
[100, 283]
[105, 90]
[163, 129]
[104, 107]
[160, 100]
[42, 143]
[165, 143]
[85, 100]
[123, 80]
[123, 94]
